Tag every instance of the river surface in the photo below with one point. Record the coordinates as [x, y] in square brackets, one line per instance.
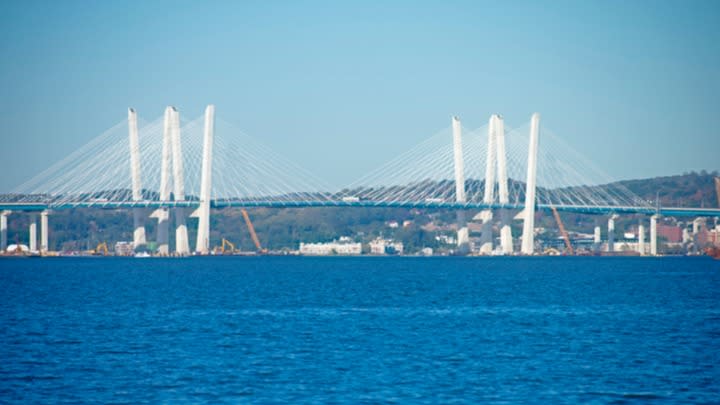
[360, 330]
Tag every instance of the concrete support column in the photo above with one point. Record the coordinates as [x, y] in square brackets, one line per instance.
[182, 245]
[611, 233]
[163, 231]
[641, 240]
[486, 236]
[528, 237]
[3, 230]
[596, 237]
[44, 231]
[653, 235]
[139, 239]
[32, 244]
[463, 235]
[203, 212]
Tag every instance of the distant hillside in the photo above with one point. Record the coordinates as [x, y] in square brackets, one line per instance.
[687, 190]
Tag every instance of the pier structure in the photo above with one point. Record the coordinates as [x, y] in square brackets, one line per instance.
[4, 229]
[611, 232]
[641, 240]
[653, 235]
[44, 228]
[32, 233]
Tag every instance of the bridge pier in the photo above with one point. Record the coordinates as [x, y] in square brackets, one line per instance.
[203, 212]
[641, 240]
[182, 246]
[3, 230]
[463, 235]
[486, 237]
[611, 233]
[597, 239]
[139, 238]
[163, 230]
[528, 236]
[44, 231]
[32, 243]
[653, 235]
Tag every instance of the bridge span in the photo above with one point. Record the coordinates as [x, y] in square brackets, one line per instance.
[579, 209]
[150, 169]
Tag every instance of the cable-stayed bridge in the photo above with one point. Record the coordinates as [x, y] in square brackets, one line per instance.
[171, 168]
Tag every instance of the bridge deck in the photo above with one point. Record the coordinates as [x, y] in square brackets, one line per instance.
[218, 204]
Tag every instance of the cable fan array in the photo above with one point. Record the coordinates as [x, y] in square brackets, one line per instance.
[98, 173]
[425, 173]
[244, 171]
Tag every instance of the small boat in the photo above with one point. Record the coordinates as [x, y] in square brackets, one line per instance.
[142, 254]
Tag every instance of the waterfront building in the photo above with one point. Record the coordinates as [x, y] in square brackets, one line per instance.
[331, 248]
[381, 246]
[124, 249]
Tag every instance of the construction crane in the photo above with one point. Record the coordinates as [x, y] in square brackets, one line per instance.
[251, 228]
[226, 246]
[717, 189]
[563, 232]
[101, 249]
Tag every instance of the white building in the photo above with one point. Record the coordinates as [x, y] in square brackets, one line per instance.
[384, 246]
[124, 249]
[331, 248]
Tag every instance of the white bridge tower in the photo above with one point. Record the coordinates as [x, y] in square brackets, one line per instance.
[139, 239]
[528, 214]
[496, 169]
[203, 212]
[463, 235]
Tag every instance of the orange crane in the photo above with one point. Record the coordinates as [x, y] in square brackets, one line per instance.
[251, 228]
[563, 232]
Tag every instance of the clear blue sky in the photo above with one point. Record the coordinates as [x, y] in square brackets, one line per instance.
[341, 87]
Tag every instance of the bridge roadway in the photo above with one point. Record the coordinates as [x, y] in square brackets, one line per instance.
[218, 204]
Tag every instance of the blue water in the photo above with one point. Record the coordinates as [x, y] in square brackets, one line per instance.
[360, 330]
